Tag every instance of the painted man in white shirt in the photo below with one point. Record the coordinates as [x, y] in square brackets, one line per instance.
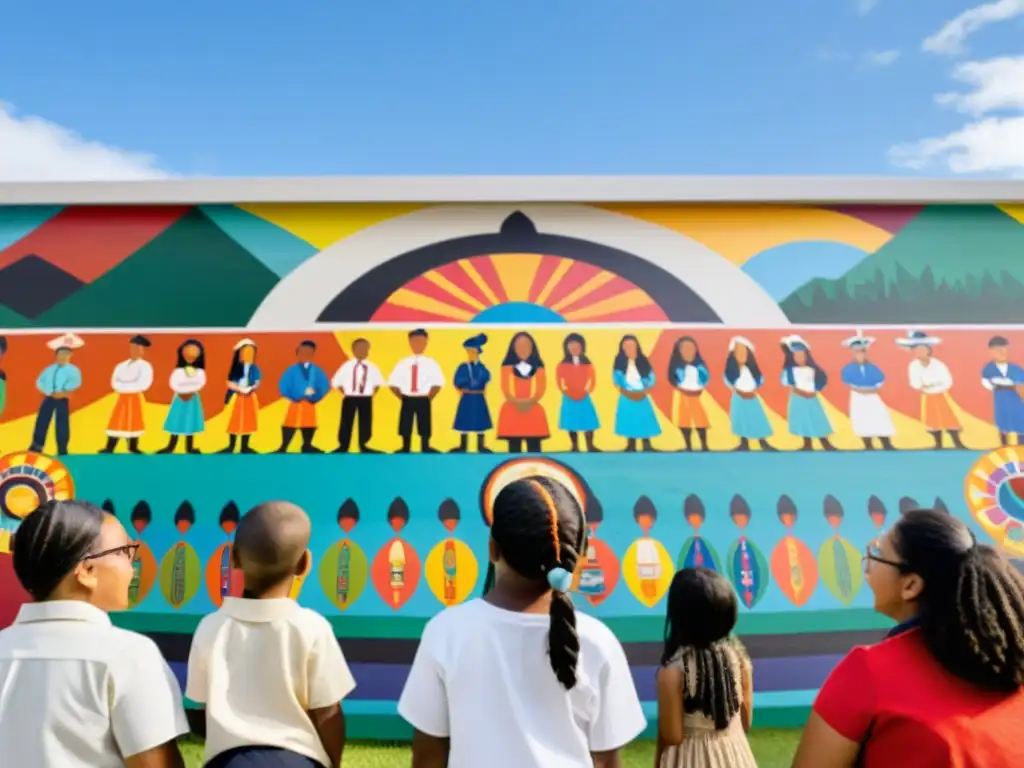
[132, 378]
[416, 380]
[932, 378]
[358, 381]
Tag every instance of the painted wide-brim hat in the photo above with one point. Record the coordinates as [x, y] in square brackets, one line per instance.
[796, 343]
[918, 339]
[858, 341]
[66, 341]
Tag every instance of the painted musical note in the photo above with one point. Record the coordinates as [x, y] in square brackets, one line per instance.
[597, 569]
[696, 552]
[180, 569]
[222, 578]
[344, 567]
[396, 568]
[793, 566]
[747, 566]
[451, 568]
[647, 566]
[144, 567]
[838, 558]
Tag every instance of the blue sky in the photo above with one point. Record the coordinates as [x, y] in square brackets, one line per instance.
[477, 86]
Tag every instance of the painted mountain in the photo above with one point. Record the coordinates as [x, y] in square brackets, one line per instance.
[130, 268]
[950, 264]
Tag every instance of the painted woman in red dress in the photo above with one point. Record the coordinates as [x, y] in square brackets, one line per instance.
[523, 382]
[944, 689]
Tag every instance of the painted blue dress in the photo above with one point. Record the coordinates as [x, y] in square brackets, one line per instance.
[806, 415]
[635, 419]
[472, 416]
[185, 417]
[577, 413]
[747, 417]
[1009, 408]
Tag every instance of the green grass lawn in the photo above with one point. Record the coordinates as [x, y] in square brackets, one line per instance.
[773, 749]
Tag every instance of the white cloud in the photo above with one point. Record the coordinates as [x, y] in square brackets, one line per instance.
[881, 58]
[34, 149]
[950, 39]
[993, 142]
[864, 7]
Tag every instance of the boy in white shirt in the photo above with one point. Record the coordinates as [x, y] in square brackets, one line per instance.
[269, 672]
[518, 679]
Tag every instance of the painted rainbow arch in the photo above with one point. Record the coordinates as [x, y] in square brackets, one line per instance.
[995, 497]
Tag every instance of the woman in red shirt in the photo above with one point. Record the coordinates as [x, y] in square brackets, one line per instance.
[944, 689]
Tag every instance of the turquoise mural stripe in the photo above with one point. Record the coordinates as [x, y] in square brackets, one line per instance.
[16, 221]
[279, 250]
[632, 629]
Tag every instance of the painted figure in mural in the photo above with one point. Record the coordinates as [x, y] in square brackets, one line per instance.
[689, 375]
[746, 413]
[805, 379]
[523, 383]
[634, 378]
[868, 415]
[932, 379]
[56, 383]
[415, 381]
[1003, 379]
[244, 379]
[185, 417]
[131, 380]
[472, 417]
[3, 375]
[303, 385]
[576, 381]
[358, 380]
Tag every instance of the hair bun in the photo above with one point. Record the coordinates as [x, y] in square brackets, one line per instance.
[560, 579]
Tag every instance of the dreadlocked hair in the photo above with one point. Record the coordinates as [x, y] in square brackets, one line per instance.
[538, 526]
[702, 611]
[971, 607]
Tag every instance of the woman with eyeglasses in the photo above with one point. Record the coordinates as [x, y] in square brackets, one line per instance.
[944, 689]
[75, 691]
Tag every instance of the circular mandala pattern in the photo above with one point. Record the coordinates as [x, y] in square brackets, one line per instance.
[517, 469]
[28, 480]
[995, 497]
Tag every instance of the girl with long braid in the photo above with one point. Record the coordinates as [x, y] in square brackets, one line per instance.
[518, 679]
[946, 687]
[705, 689]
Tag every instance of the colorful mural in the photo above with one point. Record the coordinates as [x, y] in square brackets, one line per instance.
[757, 389]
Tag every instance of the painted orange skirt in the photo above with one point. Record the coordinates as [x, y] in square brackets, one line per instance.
[515, 424]
[691, 412]
[300, 415]
[937, 414]
[126, 419]
[245, 410]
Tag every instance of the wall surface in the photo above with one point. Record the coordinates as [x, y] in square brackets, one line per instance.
[785, 518]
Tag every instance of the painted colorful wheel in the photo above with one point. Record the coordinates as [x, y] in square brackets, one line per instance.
[28, 480]
[994, 489]
[517, 469]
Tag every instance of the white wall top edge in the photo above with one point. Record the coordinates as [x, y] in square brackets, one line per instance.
[476, 327]
[517, 189]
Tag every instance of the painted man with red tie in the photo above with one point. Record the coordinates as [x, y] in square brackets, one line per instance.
[358, 380]
[416, 380]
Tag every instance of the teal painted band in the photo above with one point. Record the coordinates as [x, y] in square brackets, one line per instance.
[632, 629]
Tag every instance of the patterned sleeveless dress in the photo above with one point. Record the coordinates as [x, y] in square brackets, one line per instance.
[703, 746]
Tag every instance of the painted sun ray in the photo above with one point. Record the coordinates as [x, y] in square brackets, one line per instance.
[432, 290]
[592, 284]
[408, 299]
[516, 272]
[445, 284]
[612, 288]
[633, 299]
[577, 274]
[459, 277]
[470, 269]
[547, 279]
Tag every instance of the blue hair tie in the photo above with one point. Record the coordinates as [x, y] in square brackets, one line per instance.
[560, 579]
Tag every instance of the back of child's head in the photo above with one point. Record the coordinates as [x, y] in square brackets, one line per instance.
[702, 612]
[539, 531]
[270, 545]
